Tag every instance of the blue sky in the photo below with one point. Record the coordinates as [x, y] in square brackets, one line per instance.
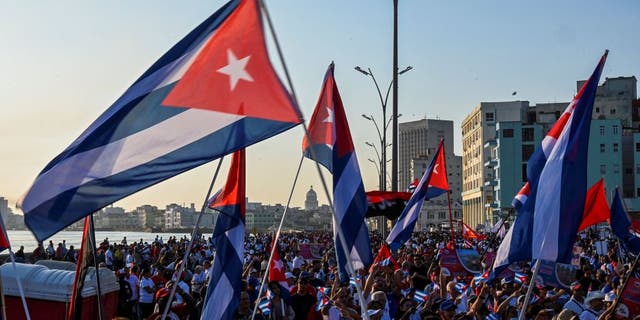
[64, 63]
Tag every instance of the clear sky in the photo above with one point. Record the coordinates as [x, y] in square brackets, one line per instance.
[64, 62]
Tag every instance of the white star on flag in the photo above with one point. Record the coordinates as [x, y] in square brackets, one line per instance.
[236, 69]
[330, 116]
[278, 265]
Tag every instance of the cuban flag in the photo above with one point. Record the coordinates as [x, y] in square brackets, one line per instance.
[420, 296]
[323, 297]
[329, 143]
[433, 183]
[384, 258]
[520, 278]
[480, 278]
[223, 292]
[548, 220]
[620, 225]
[213, 93]
[265, 306]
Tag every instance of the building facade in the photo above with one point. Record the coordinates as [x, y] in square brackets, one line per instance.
[478, 138]
[419, 139]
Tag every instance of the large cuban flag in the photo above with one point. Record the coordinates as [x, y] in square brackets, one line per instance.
[330, 139]
[434, 182]
[554, 196]
[213, 93]
[223, 290]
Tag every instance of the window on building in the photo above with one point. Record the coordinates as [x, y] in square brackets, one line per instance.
[527, 134]
[602, 147]
[615, 147]
[616, 168]
[637, 147]
[441, 215]
[615, 129]
[489, 117]
[612, 111]
[638, 192]
[430, 216]
[597, 110]
[603, 169]
[524, 172]
[602, 130]
[637, 169]
[628, 171]
[527, 151]
[507, 133]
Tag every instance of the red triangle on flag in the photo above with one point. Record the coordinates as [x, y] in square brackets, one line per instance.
[232, 73]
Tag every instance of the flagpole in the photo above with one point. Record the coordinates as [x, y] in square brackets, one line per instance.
[493, 236]
[183, 265]
[22, 297]
[450, 218]
[626, 281]
[275, 239]
[92, 243]
[536, 268]
[324, 183]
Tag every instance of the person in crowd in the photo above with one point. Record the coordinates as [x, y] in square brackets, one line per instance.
[147, 292]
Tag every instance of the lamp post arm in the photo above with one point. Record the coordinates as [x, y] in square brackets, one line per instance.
[383, 102]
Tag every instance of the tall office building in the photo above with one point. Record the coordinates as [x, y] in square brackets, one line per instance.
[418, 139]
[478, 138]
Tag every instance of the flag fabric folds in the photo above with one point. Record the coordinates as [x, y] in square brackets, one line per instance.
[329, 143]
[620, 225]
[213, 93]
[384, 258]
[548, 220]
[596, 209]
[386, 203]
[433, 183]
[223, 292]
[470, 234]
[82, 267]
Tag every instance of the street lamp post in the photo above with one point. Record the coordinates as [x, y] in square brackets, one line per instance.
[382, 134]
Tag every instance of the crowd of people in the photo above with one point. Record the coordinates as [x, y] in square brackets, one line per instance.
[409, 287]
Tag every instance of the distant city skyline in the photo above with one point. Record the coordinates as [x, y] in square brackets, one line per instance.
[65, 64]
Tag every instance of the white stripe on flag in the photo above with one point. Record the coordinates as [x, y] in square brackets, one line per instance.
[546, 219]
[219, 300]
[236, 236]
[346, 188]
[124, 154]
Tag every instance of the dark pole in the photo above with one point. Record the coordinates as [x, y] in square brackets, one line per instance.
[394, 148]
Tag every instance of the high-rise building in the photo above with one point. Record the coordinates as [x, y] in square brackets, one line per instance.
[419, 139]
[478, 138]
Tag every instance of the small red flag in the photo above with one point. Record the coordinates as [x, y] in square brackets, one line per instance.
[596, 209]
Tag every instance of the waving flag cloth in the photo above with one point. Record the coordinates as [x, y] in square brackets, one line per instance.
[386, 203]
[468, 233]
[620, 225]
[213, 93]
[384, 258]
[277, 270]
[330, 139]
[433, 183]
[596, 209]
[223, 291]
[548, 220]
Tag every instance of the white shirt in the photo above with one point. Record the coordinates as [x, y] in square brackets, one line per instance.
[134, 282]
[146, 297]
[108, 257]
